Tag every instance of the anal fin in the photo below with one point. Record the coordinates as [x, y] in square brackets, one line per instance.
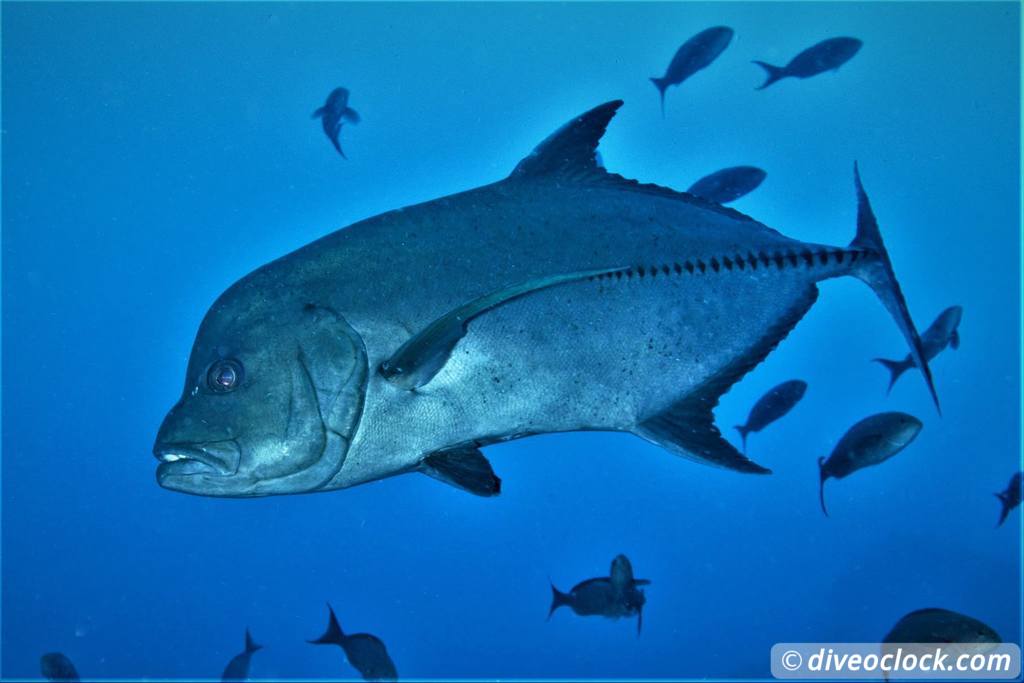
[463, 467]
[687, 427]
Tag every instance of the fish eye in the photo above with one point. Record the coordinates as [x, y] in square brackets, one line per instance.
[224, 376]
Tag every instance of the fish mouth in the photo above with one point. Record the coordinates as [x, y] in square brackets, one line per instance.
[180, 463]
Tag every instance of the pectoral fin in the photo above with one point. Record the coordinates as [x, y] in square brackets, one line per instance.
[954, 340]
[464, 467]
[350, 115]
[416, 362]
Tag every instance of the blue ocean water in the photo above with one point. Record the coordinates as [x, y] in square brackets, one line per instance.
[154, 153]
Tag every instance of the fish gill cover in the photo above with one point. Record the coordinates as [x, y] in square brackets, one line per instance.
[170, 258]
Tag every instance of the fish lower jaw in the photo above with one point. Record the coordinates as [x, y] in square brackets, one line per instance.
[188, 461]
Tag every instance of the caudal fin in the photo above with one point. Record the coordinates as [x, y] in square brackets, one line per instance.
[333, 635]
[878, 274]
[774, 73]
[821, 484]
[661, 85]
[337, 146]
[742, 429]
[895, 368]
[1005, 500]
[250, 644]
[558, 598]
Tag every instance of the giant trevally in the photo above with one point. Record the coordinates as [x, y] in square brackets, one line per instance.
[943, 332]
[561, 298]
[695, 54]
[871, 441]
[238, 668]
[828, 55]
[614, 596]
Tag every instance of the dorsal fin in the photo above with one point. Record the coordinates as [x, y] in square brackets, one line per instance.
[572, 149]
[570, 154]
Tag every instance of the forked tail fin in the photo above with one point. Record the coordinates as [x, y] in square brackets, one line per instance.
[1004, 498]
[333, 635]
[558, 598]
[821, 484]
[661, 85]
[878, 274]
[774, 73]
[742, 429]
[895, 367]
[250, 644]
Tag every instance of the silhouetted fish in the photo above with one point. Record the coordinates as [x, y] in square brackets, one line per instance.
[613, 596]
[238, 668]
[1010, 498]
[869, 442]
[364, 652]
[694, 55]
[959, 635]
[770, 407]
[729, 184]
[57, 667]
[331, 115]
[936, 625]
[940, 334]
[828, 55]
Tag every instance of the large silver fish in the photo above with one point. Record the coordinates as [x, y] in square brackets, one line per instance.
[562, 298]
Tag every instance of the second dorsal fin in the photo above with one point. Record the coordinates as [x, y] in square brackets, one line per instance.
[572, 149]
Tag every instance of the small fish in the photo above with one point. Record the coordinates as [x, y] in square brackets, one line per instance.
[614, 596]
[828, 55]
[695, 54]
[333, 113]
[935, 625]
[238, 668]
[772, 406]
[55, 666]
[1010, 498]
[869, 442]
[940, 334]
[364, 652]
[729, 184]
